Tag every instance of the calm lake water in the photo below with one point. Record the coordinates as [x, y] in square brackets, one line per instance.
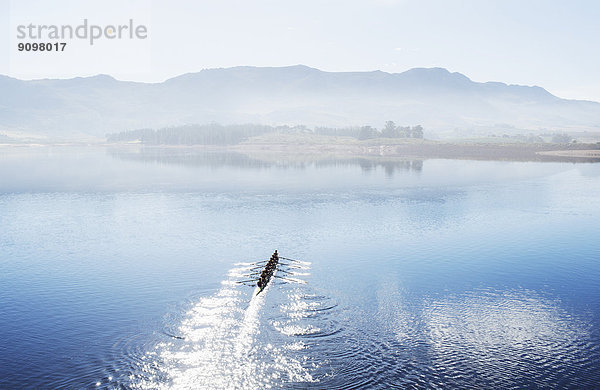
[118, 270]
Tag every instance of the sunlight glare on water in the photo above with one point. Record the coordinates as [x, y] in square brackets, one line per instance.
[221, 348]
[120, 268]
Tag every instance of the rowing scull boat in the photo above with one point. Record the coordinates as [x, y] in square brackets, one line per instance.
[267, 273]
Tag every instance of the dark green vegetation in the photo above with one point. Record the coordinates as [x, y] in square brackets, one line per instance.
[209, 134]
[216, 134]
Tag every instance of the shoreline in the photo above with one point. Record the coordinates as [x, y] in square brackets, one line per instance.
[371, 149]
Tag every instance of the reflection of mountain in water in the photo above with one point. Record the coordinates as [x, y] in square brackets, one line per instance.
[220, 159]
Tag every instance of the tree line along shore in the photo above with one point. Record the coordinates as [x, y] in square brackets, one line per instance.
[217, 134]
[391, 140]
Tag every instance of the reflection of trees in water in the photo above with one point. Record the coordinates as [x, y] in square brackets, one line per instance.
[391, 167]
[187, 157]
[219, 159]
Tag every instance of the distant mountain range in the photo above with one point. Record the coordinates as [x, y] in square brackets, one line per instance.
[440, 101]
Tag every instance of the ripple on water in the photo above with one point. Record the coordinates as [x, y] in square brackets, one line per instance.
[483, 339]
[230, 340]
[289, 337]
[510, 339]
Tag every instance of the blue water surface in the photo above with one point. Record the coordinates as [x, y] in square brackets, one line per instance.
[118, 269]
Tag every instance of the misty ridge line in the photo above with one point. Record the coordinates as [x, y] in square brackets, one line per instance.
[446, 104]
[53, 33]
[375, 75]
[62, 31]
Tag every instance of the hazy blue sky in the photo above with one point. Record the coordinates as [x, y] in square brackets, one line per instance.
[553, 44]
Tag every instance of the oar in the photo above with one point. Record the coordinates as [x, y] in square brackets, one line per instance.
[290, 280]
[250, 263]
[292, 266]
[247, 281]
[287, 258]
[255, 268]
[292, 273]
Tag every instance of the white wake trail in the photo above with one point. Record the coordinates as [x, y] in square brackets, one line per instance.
[223, 347]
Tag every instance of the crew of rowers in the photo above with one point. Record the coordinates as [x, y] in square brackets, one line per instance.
[268, 271]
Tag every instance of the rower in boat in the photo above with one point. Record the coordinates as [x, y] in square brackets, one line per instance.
[267, 273]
